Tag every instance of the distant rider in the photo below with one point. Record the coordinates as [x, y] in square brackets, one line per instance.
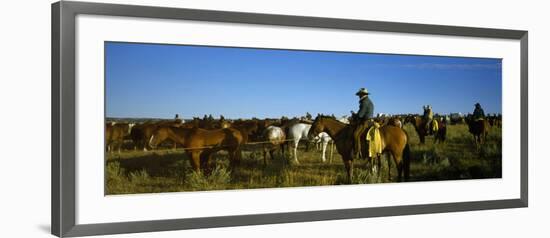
[428, 117]
[479, 114]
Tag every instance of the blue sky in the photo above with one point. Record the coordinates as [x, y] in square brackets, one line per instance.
[158, 81]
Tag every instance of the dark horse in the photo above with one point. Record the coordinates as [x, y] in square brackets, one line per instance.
[419, 124]
[479, 129]
[200, 144]
[394, 141]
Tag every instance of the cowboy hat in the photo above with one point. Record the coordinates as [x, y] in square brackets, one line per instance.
[362, 91]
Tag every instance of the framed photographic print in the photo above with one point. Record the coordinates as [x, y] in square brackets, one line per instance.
[167, 118]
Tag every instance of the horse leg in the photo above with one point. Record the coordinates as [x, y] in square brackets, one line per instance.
[238, 156]
[296, 151]
[196, 161]
[399, 170]
[204, 158]
[348, 163]
[378, 159]
[324, 151]
[372, 163]
[234, 158]
[317, 146]
[389, 166]
[331, 152]
[119, 145]
[398, 160]
[265, 157]
[271, 153]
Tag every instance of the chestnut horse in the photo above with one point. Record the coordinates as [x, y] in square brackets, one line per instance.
[479, 129]
[420, 127]
[200, 144]
[247, 128]
[394, 141]
[141, 133]
[115, 134]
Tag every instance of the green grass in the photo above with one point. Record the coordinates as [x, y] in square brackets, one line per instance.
[169, 170]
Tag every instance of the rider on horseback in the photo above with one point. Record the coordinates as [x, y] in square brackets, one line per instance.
[366, 110]
[428, 118]
[479, 114]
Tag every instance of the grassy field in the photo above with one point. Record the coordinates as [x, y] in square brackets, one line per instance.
[169, 170]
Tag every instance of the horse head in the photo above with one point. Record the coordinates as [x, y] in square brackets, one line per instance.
[158, 136]
[410, 119]
[225, 124]
[317, 127]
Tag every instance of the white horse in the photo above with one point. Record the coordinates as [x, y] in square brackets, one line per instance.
[300, 131]
[322, 140]
[276, 138]
[295, 133]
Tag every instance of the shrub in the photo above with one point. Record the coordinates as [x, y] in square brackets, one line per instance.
[218, 179]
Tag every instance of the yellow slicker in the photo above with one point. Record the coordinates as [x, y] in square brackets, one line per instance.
[374, 140]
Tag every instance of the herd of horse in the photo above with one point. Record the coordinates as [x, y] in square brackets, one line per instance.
[202, 138]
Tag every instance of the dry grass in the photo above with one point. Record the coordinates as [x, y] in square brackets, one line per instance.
[169, 170]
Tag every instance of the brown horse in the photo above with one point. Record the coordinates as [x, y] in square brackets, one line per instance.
[420, 127]
[394, 141]
[479, 129]
[141, 133]
[246, 127]
[200, 144]
[115, 134]
[210, 123]
[390, 121]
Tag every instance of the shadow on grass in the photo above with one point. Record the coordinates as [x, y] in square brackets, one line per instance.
[155, 165]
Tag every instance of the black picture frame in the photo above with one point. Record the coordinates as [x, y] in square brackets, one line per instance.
[63, 117]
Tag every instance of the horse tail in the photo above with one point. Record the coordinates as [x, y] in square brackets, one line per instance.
[407, 161]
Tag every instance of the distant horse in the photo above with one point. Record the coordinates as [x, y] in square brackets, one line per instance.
[247, 128]
[394, 141]
[323, 139]
[262, 126]
[391, 121]
[275, 138]
[420, 127]
[495, 121]
[296, 132]
[441, 134]
[479, 129]
[344, 119]
[394, 121]
[115, 133]
[200, 144]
